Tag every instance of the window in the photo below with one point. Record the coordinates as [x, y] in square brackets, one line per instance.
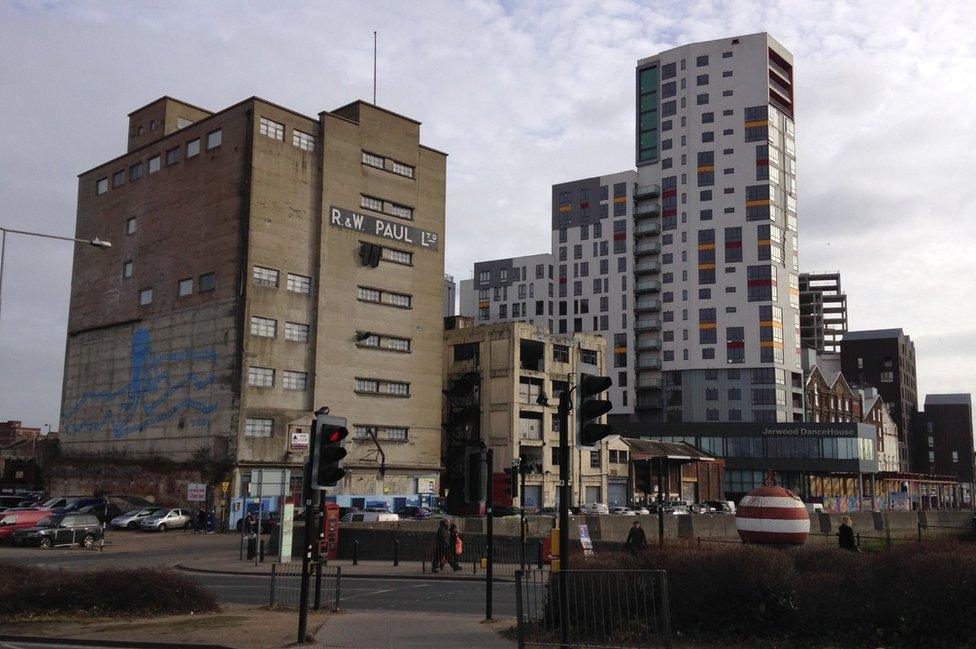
[193, 147]
[701, 61]
[207, 282]
[560, 353]
[703, 99]
[271, 129]
[291, 380]
[118, 179]
[303, 141]
[258, 427]
[702, 80]
[130, 225]
[296, 332]
[397, 256]
[299, 283]
[145, 296]
[172, 156]
[402, 211]
[389, 298]
[373, 160]
[264, 327]
[127, 270]
[185, 287]
[383, 387]
[588, 356]
[381, 341]
[154, 164]
[402, 169]
[260, 377]
[761, 283]
[265, 276]
[594, 459]
[101, 186]
[214, 138]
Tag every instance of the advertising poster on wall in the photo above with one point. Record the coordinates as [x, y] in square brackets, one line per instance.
[901, 501]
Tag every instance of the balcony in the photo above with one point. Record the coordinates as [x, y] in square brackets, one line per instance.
[647, 191]
[647, 305]
[643, 228]
[647, 247]
[649, 403]
[647, 286]
[647, 267]
[648, 362]
[650, 383]
[647, 324]
[647, 343]
[647, 210]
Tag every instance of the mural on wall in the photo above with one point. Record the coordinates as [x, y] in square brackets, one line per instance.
[150, 396]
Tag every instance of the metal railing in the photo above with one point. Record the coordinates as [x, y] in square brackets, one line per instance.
[507, 557]
[286, 585]
[610, 609]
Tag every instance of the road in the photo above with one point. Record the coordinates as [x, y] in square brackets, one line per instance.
[377, 594]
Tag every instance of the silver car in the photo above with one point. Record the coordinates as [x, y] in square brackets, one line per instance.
[131, 519]
[166, 519]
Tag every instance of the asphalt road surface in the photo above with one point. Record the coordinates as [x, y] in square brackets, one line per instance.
[377, 594]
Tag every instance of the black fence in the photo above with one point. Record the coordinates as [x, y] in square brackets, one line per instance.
[324, 585]
[606, 609]
[507, 557]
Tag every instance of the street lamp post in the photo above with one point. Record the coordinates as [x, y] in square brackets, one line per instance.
[96, 242]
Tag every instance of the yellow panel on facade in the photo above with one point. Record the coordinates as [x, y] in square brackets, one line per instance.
[762, 201]
[757, 122]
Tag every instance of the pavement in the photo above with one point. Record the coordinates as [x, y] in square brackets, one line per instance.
[390, 630]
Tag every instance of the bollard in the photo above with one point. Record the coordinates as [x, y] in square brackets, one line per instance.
[355, 552]
[396, 552]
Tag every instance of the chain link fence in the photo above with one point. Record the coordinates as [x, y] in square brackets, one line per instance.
[324, 585]
[604, 609]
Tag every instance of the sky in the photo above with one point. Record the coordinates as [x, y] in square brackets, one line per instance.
[521, 96]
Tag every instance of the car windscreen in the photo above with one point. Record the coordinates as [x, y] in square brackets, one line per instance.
[51, 503]
[49, 521]
[145, 511]
[10, 519]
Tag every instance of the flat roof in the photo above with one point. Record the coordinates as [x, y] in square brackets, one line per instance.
[873, 334]
[960, 399]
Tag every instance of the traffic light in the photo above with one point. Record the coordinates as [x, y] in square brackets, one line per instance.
[590, 432]
[510, 486]
[328, 454]
[474, 475]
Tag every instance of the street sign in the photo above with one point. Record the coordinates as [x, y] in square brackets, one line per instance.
[585, 540]
[196, 492]
[269, 482]
[287, 516]
[299, 440]
[426, 485]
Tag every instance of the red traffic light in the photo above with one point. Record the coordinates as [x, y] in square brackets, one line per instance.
[335, 436]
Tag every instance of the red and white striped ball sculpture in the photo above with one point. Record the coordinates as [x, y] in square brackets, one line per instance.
[772, 515]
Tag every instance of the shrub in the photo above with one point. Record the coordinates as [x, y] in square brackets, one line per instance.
[27, 591]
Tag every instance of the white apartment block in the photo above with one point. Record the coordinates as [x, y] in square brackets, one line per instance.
[516, 289]
[715, 132]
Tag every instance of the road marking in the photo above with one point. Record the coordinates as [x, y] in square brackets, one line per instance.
[385, 590]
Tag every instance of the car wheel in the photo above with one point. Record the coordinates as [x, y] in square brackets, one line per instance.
[88, 541]
[46, 543]
[161, 528]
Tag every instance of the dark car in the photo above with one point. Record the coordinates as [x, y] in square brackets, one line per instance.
[67, 529]
[103, 511]
[78, 505]
[10, 502]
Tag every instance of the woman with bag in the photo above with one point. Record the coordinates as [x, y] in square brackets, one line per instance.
[457, 547]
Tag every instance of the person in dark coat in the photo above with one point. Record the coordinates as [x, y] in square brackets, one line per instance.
[201, 521]
[454, 554]
[443, 549]
[845, 535]
[636, 539]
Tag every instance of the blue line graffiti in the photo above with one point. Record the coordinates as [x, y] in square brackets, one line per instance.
[145, 400]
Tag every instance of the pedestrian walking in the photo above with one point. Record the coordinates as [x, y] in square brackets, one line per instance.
[845, 535]
[443, 549]
[201, 521]
[636, 539]
[457, 547]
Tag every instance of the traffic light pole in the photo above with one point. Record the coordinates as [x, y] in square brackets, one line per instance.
[564, 496]
[490, 530]
[521, 469]
[309, 538]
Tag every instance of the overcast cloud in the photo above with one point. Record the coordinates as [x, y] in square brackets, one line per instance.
[521, 97]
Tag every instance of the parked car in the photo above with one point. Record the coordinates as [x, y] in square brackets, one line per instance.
[78, 505]
[166, 519]
[622, 511]
[131, 519]
[12, 521]
[420, 513]
[10, 502]
[640, 511]
[548, 511]
[67, 529]
[722, 506]
[701, 508]
[369, 517]
[55, 503]
[591, 509]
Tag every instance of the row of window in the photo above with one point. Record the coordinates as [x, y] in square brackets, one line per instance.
[268, 328]
[519, 274]
[264, 377]
[388, 164]
[276, 131]
[205, 283]
[382, 387]
[269, 277]
[263, 427]
[213, 140]
[388, 208]
[381, 296]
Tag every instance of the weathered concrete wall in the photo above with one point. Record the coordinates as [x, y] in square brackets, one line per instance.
[166, 487]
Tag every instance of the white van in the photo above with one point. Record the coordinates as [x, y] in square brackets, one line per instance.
[593, 509]
[369, 517]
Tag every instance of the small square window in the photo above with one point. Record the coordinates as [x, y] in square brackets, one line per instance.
[101, 186]
[299, 283]
[130, 225]
[302, 140]
[127, 270]
[145, 296]
[192, 147]
[154, 164]
[173, 156]
[185, 287]
[265, 276]
[214, 139]
[260, 377]
[207, 282]
[135, 171]
[118, 178]
[272, 129]
[291, 380]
